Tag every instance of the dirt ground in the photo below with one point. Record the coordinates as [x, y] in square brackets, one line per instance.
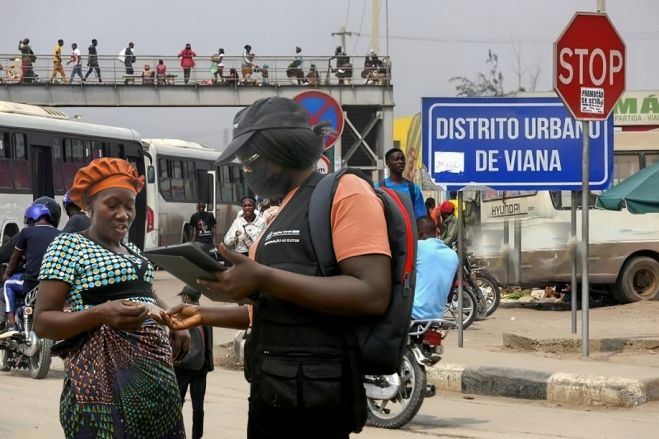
[637, 320]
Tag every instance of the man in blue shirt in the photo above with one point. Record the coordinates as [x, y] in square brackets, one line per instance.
[395, 160]
[436, 265]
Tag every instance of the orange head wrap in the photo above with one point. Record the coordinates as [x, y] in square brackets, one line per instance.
[104, 173]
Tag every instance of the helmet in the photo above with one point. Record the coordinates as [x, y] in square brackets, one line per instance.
[54, 208]
[446, 207]
[36, 211]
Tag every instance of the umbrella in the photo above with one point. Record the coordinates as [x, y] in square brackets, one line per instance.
[639, 192]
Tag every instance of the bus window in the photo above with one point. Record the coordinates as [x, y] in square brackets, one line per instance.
[116, 150]
[562, 200]
[163, 179]
[58, 167]
[95, 148]
[21, 166]
[625, 165]
[491, 194]
[189, 179]
[20, 146]
[234, 176]
[6, 178]
[226, 191]
[651, 158]
[178, 191]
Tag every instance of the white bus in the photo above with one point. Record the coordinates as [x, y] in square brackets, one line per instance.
[179, 175]
[41, 149]
[624, 248]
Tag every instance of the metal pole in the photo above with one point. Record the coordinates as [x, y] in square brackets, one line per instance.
[574, 255]
[508, 256]
[460, 262]
[517, 236]
[585, 158]
[601, 6]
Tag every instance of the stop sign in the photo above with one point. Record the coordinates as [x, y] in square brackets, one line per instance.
[589, 66]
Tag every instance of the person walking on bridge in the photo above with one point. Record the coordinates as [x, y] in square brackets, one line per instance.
[58, 70]
[92, 61]
[76, 59]
[187, 61]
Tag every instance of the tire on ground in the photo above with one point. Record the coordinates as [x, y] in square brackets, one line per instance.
[638, 280]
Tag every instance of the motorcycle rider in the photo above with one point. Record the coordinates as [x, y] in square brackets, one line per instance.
[31, 242]
[78, 220]
[436, 265]
[449, 223]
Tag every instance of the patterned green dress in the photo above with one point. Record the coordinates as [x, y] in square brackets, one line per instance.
[118, 384]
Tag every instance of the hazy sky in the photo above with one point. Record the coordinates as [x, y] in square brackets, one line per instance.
[430, 41]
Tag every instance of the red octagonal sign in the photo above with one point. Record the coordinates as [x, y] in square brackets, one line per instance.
[589, 66]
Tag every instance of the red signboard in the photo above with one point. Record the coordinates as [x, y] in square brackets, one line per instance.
[589, 66]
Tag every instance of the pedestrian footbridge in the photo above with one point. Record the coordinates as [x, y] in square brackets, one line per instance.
[366, 97]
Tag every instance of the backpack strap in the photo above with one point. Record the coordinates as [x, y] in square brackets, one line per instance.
[320, 223]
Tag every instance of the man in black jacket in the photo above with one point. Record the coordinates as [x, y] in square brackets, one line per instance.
[194, 367]
[92, 61]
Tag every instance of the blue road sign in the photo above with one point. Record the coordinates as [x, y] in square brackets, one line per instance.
[511, 143]
[323, 108]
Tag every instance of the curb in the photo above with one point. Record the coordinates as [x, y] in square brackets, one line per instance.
[562, 388]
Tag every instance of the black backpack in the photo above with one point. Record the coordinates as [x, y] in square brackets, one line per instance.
[379, 341]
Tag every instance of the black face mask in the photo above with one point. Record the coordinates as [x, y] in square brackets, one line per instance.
[264, 182]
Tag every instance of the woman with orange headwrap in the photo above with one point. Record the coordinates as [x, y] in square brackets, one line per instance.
[119, 379]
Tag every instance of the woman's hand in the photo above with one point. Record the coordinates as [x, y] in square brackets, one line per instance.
[123, 314]
[182, 316]
[243, 279]
[180, 342]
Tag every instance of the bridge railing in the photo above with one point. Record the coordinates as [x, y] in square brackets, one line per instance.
[265, 71]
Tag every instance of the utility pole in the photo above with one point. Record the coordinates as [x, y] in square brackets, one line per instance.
[343, 33]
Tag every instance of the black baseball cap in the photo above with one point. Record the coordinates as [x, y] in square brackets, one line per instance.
[193, 293]
[264, 114]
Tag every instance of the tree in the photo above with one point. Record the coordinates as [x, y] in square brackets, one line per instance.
[484, 85]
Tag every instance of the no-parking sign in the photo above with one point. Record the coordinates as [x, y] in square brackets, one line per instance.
[323, 107]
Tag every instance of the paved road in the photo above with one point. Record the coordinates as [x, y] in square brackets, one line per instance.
[30, 411]
[30, 407]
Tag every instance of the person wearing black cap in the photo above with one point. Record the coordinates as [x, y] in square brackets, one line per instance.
[192, 370]
[304, 380]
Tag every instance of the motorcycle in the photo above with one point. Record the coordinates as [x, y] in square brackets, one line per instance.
[393, 400]
[24, 349]
[484, 282]
[469, 305]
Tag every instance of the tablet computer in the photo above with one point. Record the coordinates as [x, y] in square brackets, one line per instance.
[189, 262]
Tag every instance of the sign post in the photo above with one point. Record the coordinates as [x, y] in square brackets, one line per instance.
[510, 143]
[589, 76]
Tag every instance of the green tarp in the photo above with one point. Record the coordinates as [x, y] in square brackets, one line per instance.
[639, 192]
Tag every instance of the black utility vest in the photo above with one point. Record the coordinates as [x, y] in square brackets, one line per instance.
[282, 328]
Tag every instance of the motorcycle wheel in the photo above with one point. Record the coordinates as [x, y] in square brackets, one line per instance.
[490, 289]
[469, 307]
[396, 412]
[5, 356]
[40, 361]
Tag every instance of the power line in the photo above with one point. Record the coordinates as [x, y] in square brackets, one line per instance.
[634, 36]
